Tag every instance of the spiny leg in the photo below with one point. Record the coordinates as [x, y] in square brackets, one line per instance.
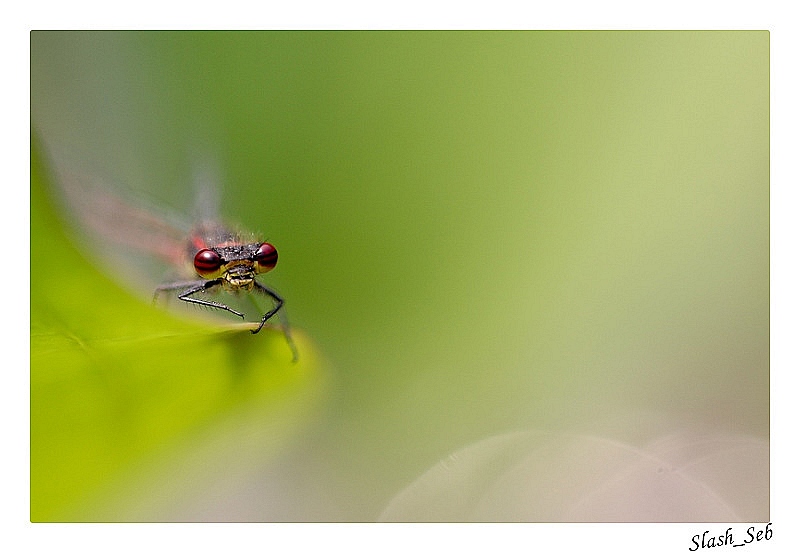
[178, 285]
[205, 285]
[281, 313]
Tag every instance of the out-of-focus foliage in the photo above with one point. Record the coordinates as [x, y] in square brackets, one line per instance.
[483, 232]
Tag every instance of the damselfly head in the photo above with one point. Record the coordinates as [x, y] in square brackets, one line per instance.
[236, 264]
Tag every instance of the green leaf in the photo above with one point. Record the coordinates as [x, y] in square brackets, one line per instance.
[130, 406]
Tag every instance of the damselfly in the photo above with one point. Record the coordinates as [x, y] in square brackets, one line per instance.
[220, 259]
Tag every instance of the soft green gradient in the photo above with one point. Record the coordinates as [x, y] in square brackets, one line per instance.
[482, 231]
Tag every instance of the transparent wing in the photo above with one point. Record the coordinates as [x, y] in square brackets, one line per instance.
[142, 243]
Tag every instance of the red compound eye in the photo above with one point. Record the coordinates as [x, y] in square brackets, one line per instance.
[207, 262]
[266, 257]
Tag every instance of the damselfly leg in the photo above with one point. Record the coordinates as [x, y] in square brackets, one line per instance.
[189, 288]
[281, 315]
[193, 287]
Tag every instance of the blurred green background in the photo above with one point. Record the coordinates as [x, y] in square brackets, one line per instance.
[479, 232]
